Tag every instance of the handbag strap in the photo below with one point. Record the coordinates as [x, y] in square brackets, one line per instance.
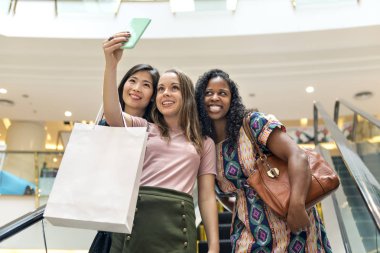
[272, 172]
[100, 115]
[251, 137]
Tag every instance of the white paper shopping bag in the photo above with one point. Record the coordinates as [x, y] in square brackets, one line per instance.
[98, 180]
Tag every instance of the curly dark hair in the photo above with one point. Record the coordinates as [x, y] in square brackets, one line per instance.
[235, 114]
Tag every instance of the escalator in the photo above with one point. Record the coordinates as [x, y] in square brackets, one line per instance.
[357, 201]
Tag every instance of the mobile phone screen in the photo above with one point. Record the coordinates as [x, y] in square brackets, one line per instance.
[136, 27]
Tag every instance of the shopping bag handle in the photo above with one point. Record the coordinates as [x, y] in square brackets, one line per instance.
[100, 115]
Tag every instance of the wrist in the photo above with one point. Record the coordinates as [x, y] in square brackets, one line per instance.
[296, 203]
[214, 248]
[111, 66]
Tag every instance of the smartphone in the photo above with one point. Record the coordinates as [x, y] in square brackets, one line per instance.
[136, 27]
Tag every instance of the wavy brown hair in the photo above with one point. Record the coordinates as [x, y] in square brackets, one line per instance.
[188, 114]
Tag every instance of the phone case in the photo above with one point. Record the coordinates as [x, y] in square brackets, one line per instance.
[136, 28]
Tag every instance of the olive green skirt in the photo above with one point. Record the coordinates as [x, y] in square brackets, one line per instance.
[164, 223]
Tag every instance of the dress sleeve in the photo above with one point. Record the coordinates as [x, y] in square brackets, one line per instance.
[208, 158]
[262, 126]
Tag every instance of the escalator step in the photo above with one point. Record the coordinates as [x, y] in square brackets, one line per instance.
[360, 213]
[224, 231]
[355, 201]
[366, 228]
[225, 246]
[225, 218]
[351, 190]
[370, 244]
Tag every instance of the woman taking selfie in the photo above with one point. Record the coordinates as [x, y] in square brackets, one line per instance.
[135, 92]
[176, 156]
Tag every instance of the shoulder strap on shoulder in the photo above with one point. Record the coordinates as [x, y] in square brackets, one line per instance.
[250, 135]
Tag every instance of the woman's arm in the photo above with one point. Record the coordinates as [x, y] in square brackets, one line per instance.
[209, 211]
[113, 54]
[285, 148]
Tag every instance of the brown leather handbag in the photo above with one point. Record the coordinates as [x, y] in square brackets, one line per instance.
[270, 178]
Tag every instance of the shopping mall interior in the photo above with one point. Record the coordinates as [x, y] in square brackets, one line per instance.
[314, 64]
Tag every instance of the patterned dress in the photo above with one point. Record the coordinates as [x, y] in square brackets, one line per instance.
[255, 228]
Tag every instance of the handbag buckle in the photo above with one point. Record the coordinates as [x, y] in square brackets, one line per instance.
[273, 172]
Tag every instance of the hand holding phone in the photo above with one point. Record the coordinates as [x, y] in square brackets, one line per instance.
[136, 27]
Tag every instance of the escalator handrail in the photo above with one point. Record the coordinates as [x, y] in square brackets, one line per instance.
[21, 223]
[356, 110]
[367, 184]
[343, 232]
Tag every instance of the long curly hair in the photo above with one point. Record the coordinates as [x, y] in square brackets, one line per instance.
[235, 114]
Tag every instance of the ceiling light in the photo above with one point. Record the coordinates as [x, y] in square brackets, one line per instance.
[68, 114]
[363, 95]
[7, 123]
[303, 122]
[55, 159]
[182, 5]
[310, 89]
[231, 5]
[3, 91]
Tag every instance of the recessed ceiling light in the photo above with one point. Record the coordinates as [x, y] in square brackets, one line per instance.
[303, 122]
[231, 5]
[309, 89]
[7, 123]
[3, 91]
[363, 95]
[68, 114]
[182, 5]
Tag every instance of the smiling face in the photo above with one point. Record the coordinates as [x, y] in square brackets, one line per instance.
[217, 98]
[169, 97]
[137, 93]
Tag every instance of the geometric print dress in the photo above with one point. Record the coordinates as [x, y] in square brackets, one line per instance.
[255, 228]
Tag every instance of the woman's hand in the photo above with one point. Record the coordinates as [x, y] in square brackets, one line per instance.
[297, 219]
[112, 50]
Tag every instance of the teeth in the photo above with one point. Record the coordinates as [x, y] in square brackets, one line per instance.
[135, 96]
[167, 103]
[215, 108]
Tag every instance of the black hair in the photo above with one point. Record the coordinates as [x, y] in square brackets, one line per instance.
[155, 76]
[235, 114]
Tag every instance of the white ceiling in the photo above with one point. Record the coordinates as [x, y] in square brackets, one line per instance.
[66, 74]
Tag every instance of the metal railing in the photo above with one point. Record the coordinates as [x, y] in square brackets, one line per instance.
[368, 186]
[21, 223]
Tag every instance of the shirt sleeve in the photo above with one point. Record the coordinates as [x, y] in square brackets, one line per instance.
[262, 126]
[139, 122]
[208, 158]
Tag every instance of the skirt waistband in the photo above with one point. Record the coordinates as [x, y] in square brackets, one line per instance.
[157, 191]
